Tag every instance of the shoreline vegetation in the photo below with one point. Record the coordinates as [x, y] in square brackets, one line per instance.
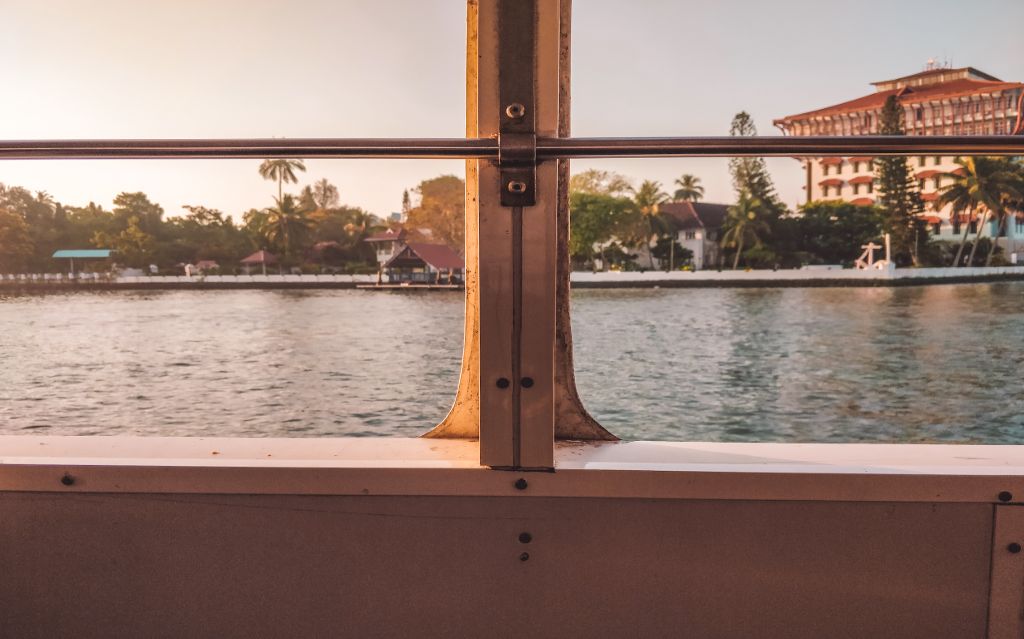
[616, 225]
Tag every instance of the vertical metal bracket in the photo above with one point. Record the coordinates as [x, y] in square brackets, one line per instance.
[517, 124]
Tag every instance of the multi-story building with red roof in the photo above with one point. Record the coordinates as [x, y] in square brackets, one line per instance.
[937, 101]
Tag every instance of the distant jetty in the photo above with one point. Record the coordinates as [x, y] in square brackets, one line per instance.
[813, 277]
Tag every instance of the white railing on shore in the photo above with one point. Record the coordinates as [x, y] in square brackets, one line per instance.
[582, 277]
[789, 275]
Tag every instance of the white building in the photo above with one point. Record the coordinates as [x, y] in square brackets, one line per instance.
[937, 101]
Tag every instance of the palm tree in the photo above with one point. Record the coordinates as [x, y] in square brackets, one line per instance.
[983, 183]
[689, 189]
[283, 224]
[648, 199]
[283, 170]
[742, 224]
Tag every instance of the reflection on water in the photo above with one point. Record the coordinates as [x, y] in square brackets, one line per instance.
[938, 363]
[931, 363]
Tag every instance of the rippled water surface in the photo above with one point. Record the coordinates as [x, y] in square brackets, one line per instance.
[935, 363]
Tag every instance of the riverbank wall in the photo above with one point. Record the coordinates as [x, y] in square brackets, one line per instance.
[648, 279]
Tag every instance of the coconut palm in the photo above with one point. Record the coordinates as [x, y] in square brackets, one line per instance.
[980, 183]
[283, 225]
[648, 200]
[689, 189]
[743, 225]
[283, 170]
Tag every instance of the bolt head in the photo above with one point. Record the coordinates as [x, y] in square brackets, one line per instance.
[502, 382]
[521, 484]
[515, 186]
[1006, 496]
[67, 480]
[515, 110]
[525, 538]
[524, 557]
[1014, 547]
[527, 382]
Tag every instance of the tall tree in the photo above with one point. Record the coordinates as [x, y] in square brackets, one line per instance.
[441, 212]
[597, 182]
[648, 199]
[689, 189]
[283, 226]
[750, 175]
[984, 184]
[595, 219]
[283, 170]
[148, 215]
[898, 194]
[325, 194]
[16, 246]
[744, 225]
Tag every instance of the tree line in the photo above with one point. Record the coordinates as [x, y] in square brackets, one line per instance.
[310, 230]
[617, 223]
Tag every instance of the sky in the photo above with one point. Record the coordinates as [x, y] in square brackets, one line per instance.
[380, 68]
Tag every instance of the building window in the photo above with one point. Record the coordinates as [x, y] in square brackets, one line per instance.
[920, 185]
[871, 187]
[856, 167]
[824, 170]
[936, 228]
[839, 167]
[972, 227]
[824, 191]
[690, 235]
[938, 160]
[937, 182]
[921, 160]
[856, 188]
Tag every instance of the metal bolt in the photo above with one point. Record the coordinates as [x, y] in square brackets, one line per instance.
[67, 480]
[1006, 496]
[525, 538]
[527, 382]
[515, 110]
[521, 484]
[502, 382]
[524, 557]
[515, 186]
[1014, 548]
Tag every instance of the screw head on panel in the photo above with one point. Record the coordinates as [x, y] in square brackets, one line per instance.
[526, 382]
[524, 557]
[67, 480]
[515, 110]
[525, 538]
[521, 484]
[1014, 548]
[502, 382]
[1005, 496]
[515, 186]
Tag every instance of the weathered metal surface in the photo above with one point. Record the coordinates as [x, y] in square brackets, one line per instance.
[463, 420]
[1006, 599]
[255, 565]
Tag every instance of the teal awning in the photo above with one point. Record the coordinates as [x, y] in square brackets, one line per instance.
[85, 254]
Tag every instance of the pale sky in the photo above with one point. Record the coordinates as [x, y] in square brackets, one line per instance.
[362, 68]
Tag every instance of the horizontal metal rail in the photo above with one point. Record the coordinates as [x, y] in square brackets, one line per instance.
[487, 148]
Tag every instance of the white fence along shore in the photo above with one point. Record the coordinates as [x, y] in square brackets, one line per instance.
[580, 279]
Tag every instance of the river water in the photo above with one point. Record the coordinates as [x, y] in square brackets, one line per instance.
[929, 363]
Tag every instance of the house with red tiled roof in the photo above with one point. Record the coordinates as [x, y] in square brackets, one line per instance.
[425, 263]
[936, 101]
